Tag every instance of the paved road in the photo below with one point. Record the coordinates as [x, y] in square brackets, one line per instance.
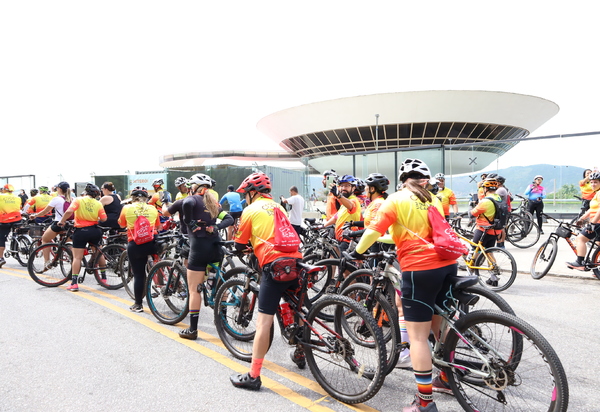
[62, 351]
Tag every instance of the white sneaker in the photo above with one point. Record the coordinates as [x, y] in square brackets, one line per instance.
[404, 362]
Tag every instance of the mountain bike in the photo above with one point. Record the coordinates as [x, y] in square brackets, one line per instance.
[57, 270]
[546, 254]
[19, 243]
[497, 362]
[346, 356]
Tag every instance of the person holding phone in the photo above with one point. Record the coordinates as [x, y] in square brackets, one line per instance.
[536, 194]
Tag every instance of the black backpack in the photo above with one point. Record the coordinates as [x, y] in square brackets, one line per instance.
[501, 214]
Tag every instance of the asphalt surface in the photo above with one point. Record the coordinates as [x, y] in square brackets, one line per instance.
[85, 351]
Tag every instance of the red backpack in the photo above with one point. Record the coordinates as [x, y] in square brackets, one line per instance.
[286, 238]
[142, 230]
[445, 241]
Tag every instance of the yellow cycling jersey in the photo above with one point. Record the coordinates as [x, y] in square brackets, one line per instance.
[130, 213]
[587, 193]
[344, 215]
[181, 196]
[87, 211]
[257, 226]
[448, 198]
[371, 210]
[10, 208]
[594, 205]
[406, 216]
[485, 212]
[40, 201]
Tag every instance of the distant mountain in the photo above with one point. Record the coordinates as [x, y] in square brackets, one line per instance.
[519, 177]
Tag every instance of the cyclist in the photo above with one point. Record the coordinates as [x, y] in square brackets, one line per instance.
[88, 211]
[359, 192]
[424, 273]
[181, 185]
[57, 204]
[257, 227]
[446, 195]
[536, 194]
[377, 186]
[350, 209]
[39, 202]
[332, 205]
[10, 213]
[485, 212]
[112, 205]
[592, 230]
[505, 196]
[587, 193]
[480, 191]
[138, 254]
[235, 207]
[160, 196]
[200, 213]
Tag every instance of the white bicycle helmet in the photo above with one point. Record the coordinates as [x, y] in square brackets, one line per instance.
[413, 167]
[180, 181]
[158, 182]
[439, 176]
[594, 176]
[201, 179]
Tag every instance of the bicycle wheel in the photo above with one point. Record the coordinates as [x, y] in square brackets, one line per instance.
[320, 279]
[126, 273]
[524, 372]
[497, 274]
[488, 300]
[109, 275]
[59, 268]
[384, 314]
[596, 261]
[544, 259]
[167, 292]
[22, 246]
[348, 371]
[522, 233]
[235, 312]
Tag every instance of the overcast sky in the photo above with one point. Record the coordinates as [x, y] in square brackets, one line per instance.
[110, 86]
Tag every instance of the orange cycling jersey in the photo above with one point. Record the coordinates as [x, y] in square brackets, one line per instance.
[448, 198]
[371, 210]
[594, 205]
[257, 226]
[587, 193]
[129, 215]
[10, 208]
[87, 211]
[485, 212]
[156, 201]
[344, 215]
[331, 207]
[401, 211]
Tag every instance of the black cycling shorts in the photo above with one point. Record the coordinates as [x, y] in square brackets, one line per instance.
[235, 215]
[56, 228]
[590, 232]
[271, 291]
[203, 251]
[87, 235]
[424, 288]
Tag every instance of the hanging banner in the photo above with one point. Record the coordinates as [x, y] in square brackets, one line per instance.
[145, 180]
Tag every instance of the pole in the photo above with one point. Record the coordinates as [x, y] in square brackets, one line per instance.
[377, 142]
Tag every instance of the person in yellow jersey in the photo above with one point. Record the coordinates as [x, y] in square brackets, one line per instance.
[88, 212]
[138, 254]
[425, 276]
[446, 195]
[181, 185]
[10, 213]
[257, 226]
[39, 203]
[591, 230]
[350, 209]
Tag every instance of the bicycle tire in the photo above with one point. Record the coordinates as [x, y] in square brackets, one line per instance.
[522, 233]
[167, 292]
[544, 259]
[239, 272]
[59, 273]
[596, 261]
[126, 274]
[22, 245]
[528, 373]
[386, 317]
[235, 313]
[501, 274]
[349, 372]
[320, 280]
[111, 278]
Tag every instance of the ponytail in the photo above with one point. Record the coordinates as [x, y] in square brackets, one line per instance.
[419, 191]
[211, 204]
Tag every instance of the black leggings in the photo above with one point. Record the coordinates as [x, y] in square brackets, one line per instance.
[4, 231]
[138, 257]
[538, 208]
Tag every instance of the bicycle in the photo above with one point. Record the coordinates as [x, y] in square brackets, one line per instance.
[497, 362]
[495, 267]
[546, 254]
[521, 231]
[346, 356]
[582, 210]
[57, 270]
[19, 243]
[167, 291]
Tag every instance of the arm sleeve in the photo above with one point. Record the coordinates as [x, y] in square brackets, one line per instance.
[369, 237]
[226, 220]
[188, 209]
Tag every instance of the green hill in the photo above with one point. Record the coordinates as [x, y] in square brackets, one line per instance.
[518, 177]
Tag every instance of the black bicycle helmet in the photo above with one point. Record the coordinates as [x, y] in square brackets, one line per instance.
[360, 186]
[501, 179]
[92, 190]
[33, 192]
[139, 191]
[379, 181]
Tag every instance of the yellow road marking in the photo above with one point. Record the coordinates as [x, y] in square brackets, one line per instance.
[225, 360]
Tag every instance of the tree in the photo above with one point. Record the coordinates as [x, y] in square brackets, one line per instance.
[565, 192]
